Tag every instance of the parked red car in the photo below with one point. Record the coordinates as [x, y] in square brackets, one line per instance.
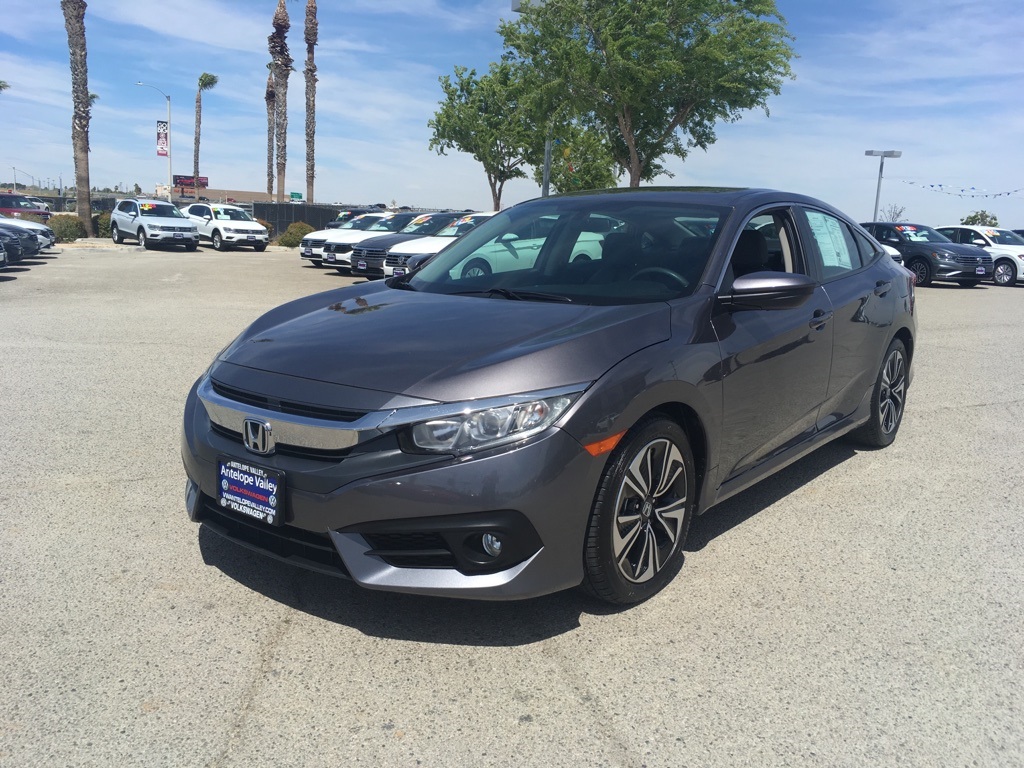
[19, 205]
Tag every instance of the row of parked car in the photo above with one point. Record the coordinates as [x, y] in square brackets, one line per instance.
[155, 223]
[21, 239]
[386, 243]
[958, 253]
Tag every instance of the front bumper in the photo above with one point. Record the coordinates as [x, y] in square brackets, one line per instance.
[338, 258]
[413, 523]
[244, 238]
[173, 238]
[968, 269]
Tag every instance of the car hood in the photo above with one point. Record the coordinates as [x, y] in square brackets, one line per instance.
[960, 248]
[384, 242]
[349, 235]
[443, 348]
[424, 245]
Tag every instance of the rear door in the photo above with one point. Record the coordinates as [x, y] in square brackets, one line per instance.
[859, 282]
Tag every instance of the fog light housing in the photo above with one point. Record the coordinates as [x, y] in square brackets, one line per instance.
[491, 543]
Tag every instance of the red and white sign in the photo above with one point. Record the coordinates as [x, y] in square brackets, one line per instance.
[161, 138]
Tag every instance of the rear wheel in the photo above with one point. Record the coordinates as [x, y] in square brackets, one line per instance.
[641, 514]
[922, 271]
[1004, 274]
[887, 400]
[115, 234]
[143, 240]
[476, 268]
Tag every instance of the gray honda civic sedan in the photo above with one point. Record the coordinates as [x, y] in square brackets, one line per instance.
[547, 402]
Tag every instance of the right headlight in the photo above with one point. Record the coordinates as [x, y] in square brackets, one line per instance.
[479, 429]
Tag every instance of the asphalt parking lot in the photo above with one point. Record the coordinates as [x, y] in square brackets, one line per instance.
[860, 608]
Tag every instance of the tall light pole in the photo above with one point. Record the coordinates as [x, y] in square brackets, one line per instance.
[881, 154]
[170, 178]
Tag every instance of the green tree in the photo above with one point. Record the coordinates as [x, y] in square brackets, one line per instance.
[489, 117]
[4, 85]
[281, 67]
[206, 82]
[74, 24]
[650, 73]
[980, 219]
[580, 159]
[311, 32]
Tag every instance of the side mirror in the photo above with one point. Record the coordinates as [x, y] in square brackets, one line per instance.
[769, 290]
[978, 241]
[891, 240]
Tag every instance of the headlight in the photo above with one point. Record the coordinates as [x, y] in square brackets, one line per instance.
[474, 430]
[943, 255]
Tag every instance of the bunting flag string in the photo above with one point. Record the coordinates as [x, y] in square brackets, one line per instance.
[960, 190]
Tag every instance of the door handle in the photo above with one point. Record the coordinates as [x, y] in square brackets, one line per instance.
[882, 287]
[820, 319]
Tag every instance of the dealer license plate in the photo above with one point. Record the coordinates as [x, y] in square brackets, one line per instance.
[360, 265]
[979, 270]
[251, 490]
[307, 252]
[399, 271]
[328, 257]
[250, 237]
[178, 235]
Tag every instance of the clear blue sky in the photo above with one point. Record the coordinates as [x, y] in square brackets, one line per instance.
[938, 79]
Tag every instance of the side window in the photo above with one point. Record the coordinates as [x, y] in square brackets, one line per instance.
[837, 250]
[765, 244]
[884, 233]
[867, 249]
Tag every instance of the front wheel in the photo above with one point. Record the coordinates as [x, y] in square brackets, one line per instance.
[476, 268]
[115, 234]
[143, 240]
[260, 247]
[888, 399]
[218, 241]
[922, 271]
[641, 514]
[1004, 274]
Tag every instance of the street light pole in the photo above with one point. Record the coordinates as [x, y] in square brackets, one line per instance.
[881, 154]
[170, 178]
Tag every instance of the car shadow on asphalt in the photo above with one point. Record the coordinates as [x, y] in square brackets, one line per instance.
[741, 507]
[424, 619]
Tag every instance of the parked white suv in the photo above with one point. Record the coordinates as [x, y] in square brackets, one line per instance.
[227, 226]
[1005, 245]
[152, 223]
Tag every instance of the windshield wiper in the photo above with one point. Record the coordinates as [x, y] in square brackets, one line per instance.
[516, 295]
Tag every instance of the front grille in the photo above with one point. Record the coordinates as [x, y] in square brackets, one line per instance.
[305, 549]
[394, 261]
[284, 449]
[326, 413]
[411, 550]
[310, 243]
[371, 253]
[973, 260]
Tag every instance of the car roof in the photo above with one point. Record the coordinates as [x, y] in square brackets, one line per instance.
[721, 196]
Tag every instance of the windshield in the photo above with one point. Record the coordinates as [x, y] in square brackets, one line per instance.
[461, 226]
[588, 250]
[428, 224]
[231, 214]
[166, 210]
[919, 233]
[360, 222]
[390, 223]
[1004, 237]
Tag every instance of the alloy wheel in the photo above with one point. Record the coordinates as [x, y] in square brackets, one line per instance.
[1004, 274]
[650, 511]
[893, 391]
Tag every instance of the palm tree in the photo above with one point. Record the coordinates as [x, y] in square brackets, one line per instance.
[282, 67]
[271, 98]
[4, 86]
[312, 28]
[206, 82]
[74, 23]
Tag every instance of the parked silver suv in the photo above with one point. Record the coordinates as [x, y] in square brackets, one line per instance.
[152, 223]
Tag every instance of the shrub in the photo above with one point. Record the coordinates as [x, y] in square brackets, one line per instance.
[268, 225]
[101, 224]
[294, 234]
[67, 227]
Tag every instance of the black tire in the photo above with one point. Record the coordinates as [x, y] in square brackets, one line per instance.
[143, 240]
[641, 514]
[192, 247]
[969, 283]
[476, 268]
[888, 399]
[260, 247]
[115, 234]
[922, 271]
[1004, 273]
[218, 241]
[343, 270]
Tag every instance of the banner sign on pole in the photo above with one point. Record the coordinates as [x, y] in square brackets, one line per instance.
[161, 138]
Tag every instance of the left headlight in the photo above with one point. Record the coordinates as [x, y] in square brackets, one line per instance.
[474, 430]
